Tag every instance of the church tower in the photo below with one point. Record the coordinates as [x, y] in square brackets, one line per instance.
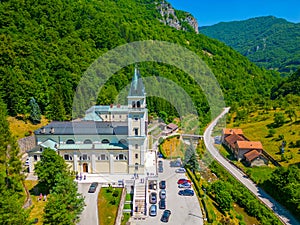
[137, 125]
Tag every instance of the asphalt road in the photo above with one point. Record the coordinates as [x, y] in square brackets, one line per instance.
[90, 213]
[185, 210]
[280, 211]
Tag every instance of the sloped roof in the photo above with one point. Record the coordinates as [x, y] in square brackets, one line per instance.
[251, 155]
[233, 138]
[172, 126]
[249, 145]
[49, 144]
[228, 131]
[84, 127]
[137, 86]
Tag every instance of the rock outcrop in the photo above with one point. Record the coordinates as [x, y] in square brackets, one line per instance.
[176, 18]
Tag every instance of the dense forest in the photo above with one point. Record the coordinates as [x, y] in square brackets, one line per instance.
[268, 41]
[291, 86]
[47, 45]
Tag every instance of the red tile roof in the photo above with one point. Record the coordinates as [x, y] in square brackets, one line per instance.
[249, 145]
[172, 126]
[251, 155]
[228, 131]
[233, 138]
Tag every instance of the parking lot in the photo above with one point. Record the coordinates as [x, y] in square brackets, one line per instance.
[184, 209]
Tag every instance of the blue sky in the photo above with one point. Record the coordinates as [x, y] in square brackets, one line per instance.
[209, 12]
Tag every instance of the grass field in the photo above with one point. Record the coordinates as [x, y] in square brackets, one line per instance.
[174, 147]
[37, 208]
[256, 128]
[108, 205]
[20, 128]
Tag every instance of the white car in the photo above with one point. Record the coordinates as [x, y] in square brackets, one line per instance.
[180, 170]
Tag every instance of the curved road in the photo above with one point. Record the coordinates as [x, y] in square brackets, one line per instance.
[281, 212]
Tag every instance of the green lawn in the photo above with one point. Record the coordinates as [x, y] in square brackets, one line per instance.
[125, 218]
[108, 205]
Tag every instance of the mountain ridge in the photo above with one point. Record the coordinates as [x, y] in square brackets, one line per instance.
[268, 41]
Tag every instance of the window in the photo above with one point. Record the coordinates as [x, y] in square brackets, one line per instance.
[105, 141]
[136, 131]
[87, 141]
[102, 157]
[136, 146]
[136, 166]
[121, 157]
[113, 116]
[120, 116]
[136, 156]
[67, 157]
[105, 116]
[35, 158]
[41, 149]
[84, 157]
[133, 104]
[138, 104]
[70, 141]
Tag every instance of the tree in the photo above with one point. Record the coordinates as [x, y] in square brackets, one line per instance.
[291, 113]
[50, 166]
[64, 204]
[35, 112]
[190, 159]
[224, 200]
[279, 119]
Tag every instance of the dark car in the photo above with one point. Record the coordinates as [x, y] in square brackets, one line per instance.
[153, 198]
[152, 210]
[165, 216]
[183, 180]
[162, 204]
[152, 185]
[162, 184]
[93, 187]
[186, 192]
[160, 163]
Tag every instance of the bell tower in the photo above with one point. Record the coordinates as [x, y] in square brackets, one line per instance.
[137, 125]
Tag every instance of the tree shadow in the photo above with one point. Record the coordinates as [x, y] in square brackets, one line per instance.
[38, 189]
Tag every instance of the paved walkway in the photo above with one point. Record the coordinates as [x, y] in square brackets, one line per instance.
[284, 215]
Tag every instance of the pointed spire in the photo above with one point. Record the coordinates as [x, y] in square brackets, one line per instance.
[137, 87]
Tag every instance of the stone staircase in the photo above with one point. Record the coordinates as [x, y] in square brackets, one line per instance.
[139, 201]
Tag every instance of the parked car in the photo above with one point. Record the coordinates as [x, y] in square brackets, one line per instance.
[183, 180]
[165, 216]
[160, 169]
[93, 187]
[185, 185]
[153, 210]
[180, 170]
[162, 204]
[186, 192]
[153, 198]
[152, 185]
[160, 163]
[163, 194]
[162, 184]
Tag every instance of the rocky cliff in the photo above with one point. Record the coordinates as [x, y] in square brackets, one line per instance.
[176, 18]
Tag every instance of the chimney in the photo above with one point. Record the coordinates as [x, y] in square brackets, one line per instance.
[52, 130]
[43, 130]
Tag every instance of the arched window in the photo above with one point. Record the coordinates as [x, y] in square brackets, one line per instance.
[136, 166]
[87, 141]
[102, 157]
[105, 141]
[133, 104]
[136, 146]
[121, 157]
[70, 141]
[138, 104]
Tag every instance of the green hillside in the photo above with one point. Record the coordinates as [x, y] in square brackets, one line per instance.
[47, 45]
[290, 86]
[268, 41]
